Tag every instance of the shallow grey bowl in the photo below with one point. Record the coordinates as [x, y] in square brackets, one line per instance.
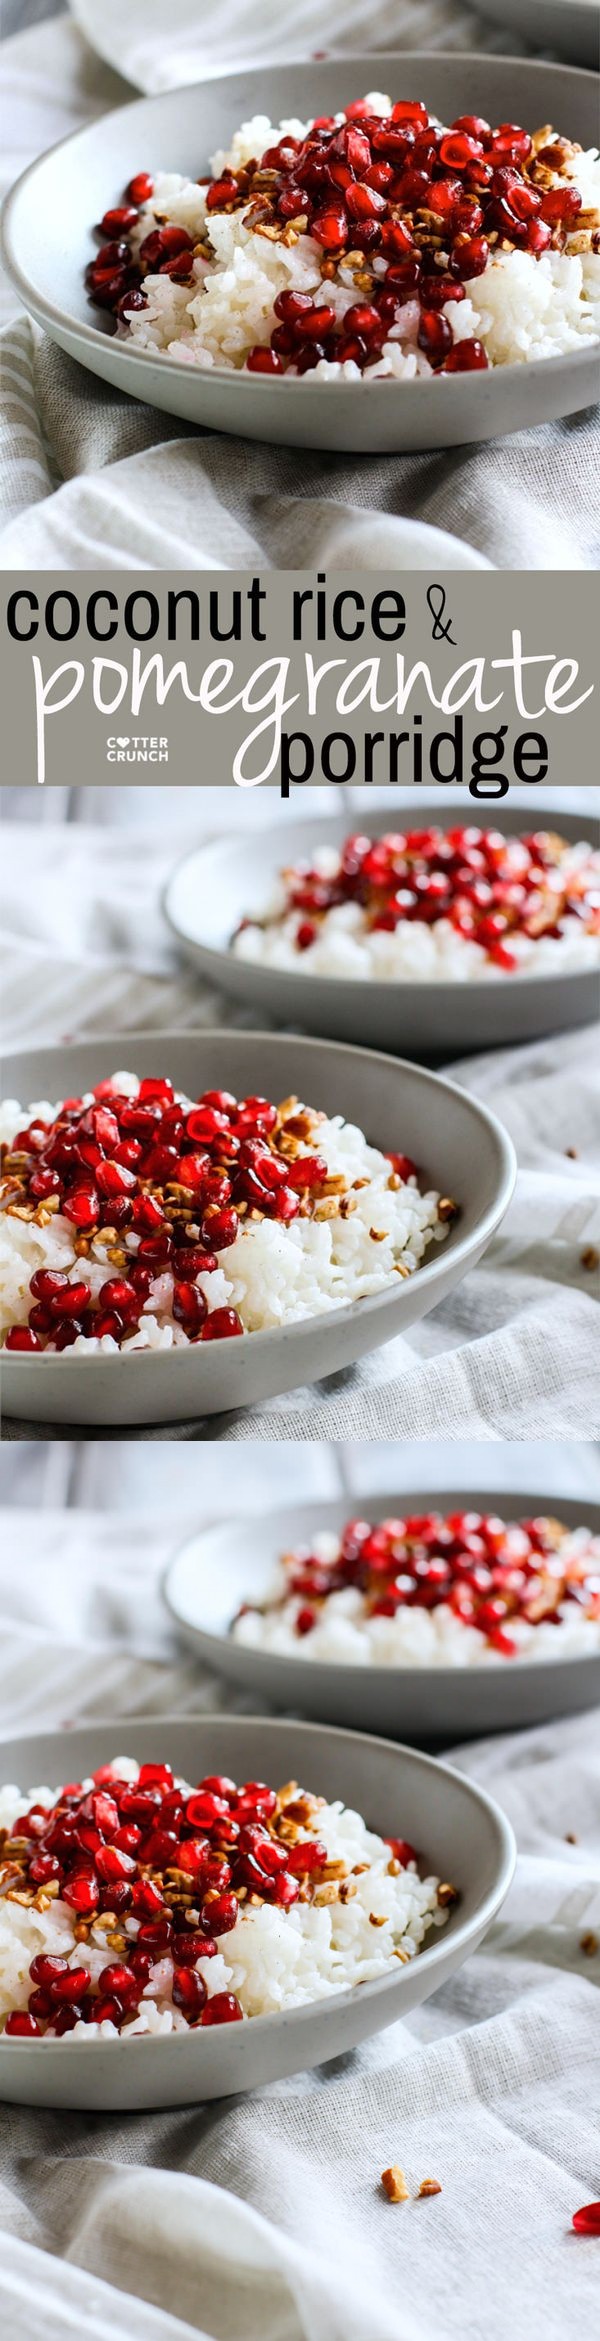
[234, 1562]
[463, 1836]
[570, 26]
[215, 886]
[48, 242]
[400, 1106]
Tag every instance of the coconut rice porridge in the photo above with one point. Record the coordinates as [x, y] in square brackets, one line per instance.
[456, 904]
[374, 242]
[460, 1590]
[135, 1218]
[134, 1903]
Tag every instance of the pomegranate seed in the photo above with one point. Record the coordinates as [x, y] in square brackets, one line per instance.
[470, 255]
[22, 1337]
[140, 188]
[221, 1325]
[459, 148]
[112, 1865]
[43, 1867]
[108, 2010]
[20, 2026]
[118, 222]
[466, 357]
[189, 1306]
[402, 1851]
[118, 1294]
[263, 361]
[306, 934]
[223, 2008]
[222, 1227]
[119, 1980]
[560, 206]
[71, 1985]
[189, 1992]
[304, 1858]
[164, 243]
[70, 1301]
[80, 1206]
[82, 1894]
[66, 2019]
[330, 227]
[585, 2222]
[306, 1618]
[434, 335]
[222, 1911]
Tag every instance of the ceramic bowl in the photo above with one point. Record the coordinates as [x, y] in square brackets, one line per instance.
[456, 1140]
[463, 1835]
[570, 28]
[48, 243]
[234, 1561]
[219, 883]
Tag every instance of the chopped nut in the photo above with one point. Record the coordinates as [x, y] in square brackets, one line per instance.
[394, 2184]
[329, 1893]
[375, 1921]
[445, 1895]
[590, 1943]
[447, 1208]
[590, 1258]
[430, 2186]
[572, 1154]
[570, 1838]
[378, 1235]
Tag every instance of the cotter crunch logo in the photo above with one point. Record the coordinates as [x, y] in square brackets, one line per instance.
[141, 748]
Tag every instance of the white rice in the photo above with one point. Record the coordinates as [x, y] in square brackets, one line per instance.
[415, 952]
[272, 1959]
[273, 1275]
[345, 1636]
[520, 308]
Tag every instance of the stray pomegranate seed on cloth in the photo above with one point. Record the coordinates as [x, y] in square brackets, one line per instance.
[374, 241]
[461, 903]
[232, 1903]
[135, 1218]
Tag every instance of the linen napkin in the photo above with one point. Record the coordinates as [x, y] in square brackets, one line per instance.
[91, 478]
[262, 2218]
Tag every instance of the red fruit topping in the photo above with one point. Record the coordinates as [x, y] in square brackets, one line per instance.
[20, 2026]
[140, 188]
[82, 1893]
[401, 1850]
[223, 2008]
[21, 1337]
[121, 1981]
[119, 221]
[465, 358]
[434, 335]
[585, 2222]
[221, 1324]
[305, 1620]
[263, 361]
[189, 1992]
[222, 1911]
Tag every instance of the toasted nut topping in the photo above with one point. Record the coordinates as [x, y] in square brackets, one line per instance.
[374, 1921]
[590, 1943]
[590, 1258]
[430, 2186]
[446, 1894]
[394, 2184]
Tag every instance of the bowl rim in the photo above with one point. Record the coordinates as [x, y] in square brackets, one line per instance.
[356, 1675]
[427, 989]
[376, 1986]
[432, 1269]
[51, 313]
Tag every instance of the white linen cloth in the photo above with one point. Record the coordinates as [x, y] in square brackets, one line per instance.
[91, 478]
[513, 1352]
[262, 2218]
